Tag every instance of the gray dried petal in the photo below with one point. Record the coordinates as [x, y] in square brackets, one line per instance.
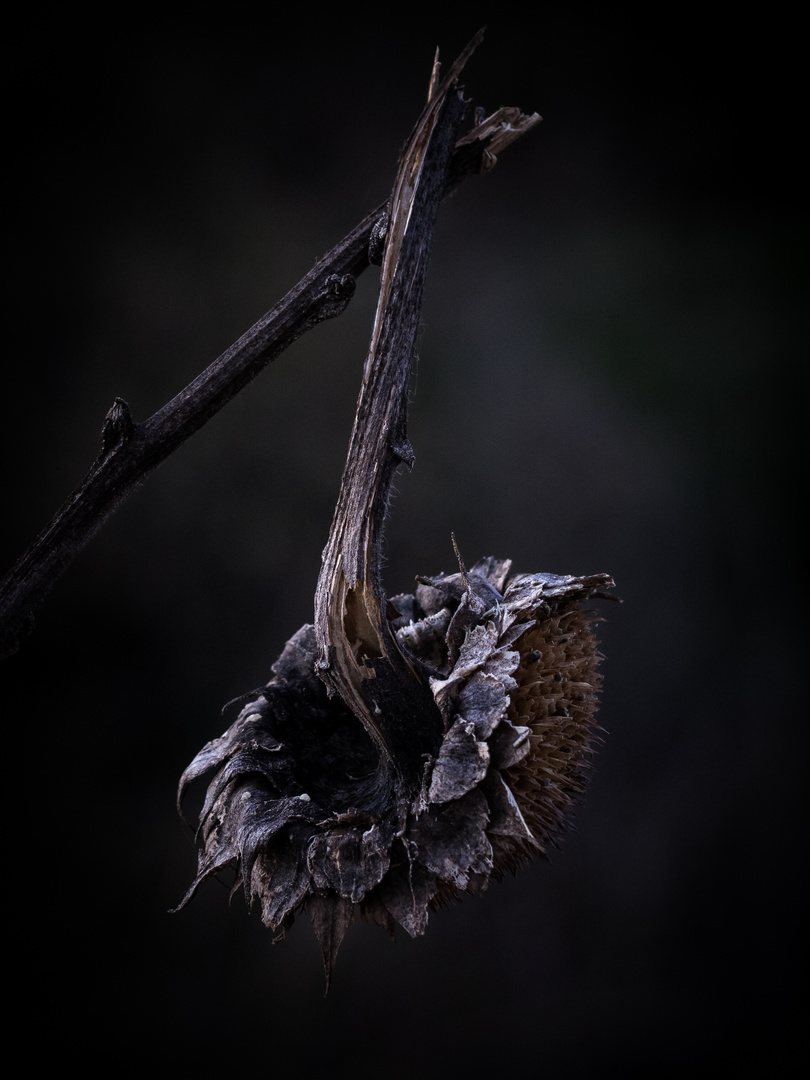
[483, 702]
[348, 862]
[508, 745]
[505, 816]
[263, 816]
[407, 891]
[280, 877]
[426, 638]
[527, 592]
[330, 916]
[461, 764]
[451, 839]
[216, 752]
[494, 571]
[480, 642]
[295, 662]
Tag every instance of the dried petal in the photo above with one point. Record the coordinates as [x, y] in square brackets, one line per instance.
[462, 763]
[330, 917]
[451, 839]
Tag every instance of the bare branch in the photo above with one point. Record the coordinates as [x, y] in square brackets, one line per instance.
[130, 451]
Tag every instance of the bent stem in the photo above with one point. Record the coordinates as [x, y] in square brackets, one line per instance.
[358, 656]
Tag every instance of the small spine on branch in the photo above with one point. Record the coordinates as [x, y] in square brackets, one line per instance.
[118, 427]
[376, 243]
[404, 451]
[339, 291]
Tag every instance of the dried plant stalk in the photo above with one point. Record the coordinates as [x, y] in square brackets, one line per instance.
[408, 750]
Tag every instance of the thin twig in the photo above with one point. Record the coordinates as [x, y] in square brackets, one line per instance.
[130, 451]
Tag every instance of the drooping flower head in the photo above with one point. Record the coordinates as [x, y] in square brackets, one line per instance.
[308, 813]
[406, 751]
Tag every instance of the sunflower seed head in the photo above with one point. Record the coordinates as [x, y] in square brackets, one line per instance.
[307, 815]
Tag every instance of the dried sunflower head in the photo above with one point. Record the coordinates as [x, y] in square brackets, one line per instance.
[309, 814]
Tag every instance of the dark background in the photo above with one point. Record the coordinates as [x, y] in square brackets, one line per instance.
[608, 379]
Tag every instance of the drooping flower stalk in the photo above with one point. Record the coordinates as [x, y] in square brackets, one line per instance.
[407, 750]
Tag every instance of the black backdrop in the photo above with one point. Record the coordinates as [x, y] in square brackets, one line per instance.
[607, 380]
